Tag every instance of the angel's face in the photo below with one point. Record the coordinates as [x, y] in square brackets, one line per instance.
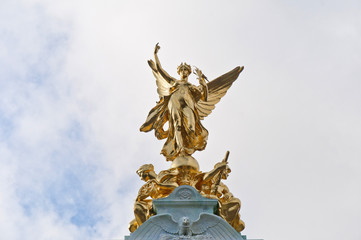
[184, 73]
[226, 173]
[145, 175]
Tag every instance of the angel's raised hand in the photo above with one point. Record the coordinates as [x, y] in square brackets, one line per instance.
[156, 49]
[197, 72]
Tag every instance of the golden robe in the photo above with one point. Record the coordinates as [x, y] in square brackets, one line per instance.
[186, 133]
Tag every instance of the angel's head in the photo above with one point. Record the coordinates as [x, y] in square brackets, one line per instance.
[184, 70]
[225, 172]
[146, 172]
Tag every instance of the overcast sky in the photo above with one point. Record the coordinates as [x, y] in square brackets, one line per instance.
[75, 87]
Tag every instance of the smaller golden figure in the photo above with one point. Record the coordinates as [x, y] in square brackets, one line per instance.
[156, 186]
[208, 184]
[229, 208]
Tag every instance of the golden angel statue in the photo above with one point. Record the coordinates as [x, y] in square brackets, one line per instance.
[183, 105]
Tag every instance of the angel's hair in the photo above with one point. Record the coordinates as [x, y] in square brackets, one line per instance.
[145, 168]
[184, 66]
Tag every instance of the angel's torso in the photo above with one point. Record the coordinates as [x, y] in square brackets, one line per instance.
[182, 96]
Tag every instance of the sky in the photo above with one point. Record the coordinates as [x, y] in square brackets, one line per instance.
[75, 87]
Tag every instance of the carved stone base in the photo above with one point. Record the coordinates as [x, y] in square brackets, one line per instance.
[185, 215]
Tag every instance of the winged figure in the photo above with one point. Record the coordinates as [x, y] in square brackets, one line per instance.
[184, 105]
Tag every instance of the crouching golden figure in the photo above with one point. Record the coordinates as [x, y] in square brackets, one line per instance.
[156, 186]
[208, 184]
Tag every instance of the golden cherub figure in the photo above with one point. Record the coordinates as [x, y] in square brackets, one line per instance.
[183, 105]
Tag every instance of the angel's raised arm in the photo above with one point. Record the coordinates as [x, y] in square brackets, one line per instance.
[157, 67]
[156, 49]
[163, 80]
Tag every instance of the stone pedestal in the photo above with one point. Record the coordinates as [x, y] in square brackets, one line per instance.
[185, 214]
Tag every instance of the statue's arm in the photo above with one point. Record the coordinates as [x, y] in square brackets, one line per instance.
[167, 186]
[156, 49]
[208, 176]
[146, 190]
[141, 196]
[162, 72]
[203, 85]
[204, 91]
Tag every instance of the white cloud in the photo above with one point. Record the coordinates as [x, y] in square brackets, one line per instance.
[75, 87]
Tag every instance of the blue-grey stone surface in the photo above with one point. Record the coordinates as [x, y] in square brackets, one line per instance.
[185, 201]
[185, 214]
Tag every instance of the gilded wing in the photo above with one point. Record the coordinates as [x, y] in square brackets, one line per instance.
[216, 90]
[163, 79]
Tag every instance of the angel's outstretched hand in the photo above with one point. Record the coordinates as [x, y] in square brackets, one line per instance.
[156, 49]
[201, 76]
